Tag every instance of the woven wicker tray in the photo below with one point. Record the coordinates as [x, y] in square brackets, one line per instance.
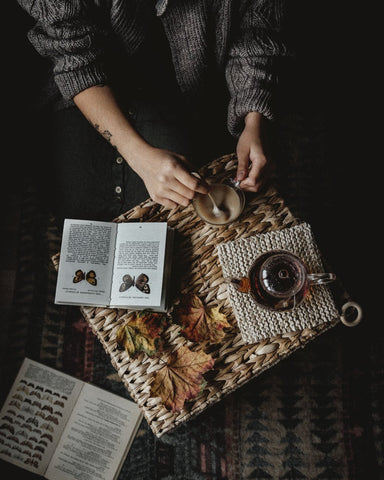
[197, 270]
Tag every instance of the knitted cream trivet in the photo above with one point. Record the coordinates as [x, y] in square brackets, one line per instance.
[256, 322]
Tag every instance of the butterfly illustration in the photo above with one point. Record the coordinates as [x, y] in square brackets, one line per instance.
[90, 277]
[18, 396]
[47, 426]
[79, 276]
[53, 419]
[141, 283]
[23, 388]
[30, 461]
[27, 443]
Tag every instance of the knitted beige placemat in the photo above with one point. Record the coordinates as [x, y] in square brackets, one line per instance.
[255, 321]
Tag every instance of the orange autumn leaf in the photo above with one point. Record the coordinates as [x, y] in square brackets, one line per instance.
[181, 377]
[199, 322]
[142, 333]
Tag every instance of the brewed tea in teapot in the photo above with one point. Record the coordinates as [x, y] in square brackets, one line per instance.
[279, 280]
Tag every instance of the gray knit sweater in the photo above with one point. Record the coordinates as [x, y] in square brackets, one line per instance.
[240, 36]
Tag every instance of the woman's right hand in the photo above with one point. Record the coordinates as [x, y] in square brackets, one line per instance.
[166, 176]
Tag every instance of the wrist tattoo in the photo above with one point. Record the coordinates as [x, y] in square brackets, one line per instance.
[106, 134]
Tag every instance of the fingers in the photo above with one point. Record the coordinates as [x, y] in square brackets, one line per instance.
[182, 187]
[252, 163]
[175, 193]
[174, 185]
[242, 165]
[191, 182]
[256, 175]
[171, 199]
[166, 203]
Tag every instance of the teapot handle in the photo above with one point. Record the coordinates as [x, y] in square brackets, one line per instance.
[321, 278]
[351, 320]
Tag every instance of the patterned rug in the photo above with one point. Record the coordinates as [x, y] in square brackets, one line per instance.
[317, 415]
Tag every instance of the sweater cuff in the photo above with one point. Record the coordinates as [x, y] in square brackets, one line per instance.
[73, 82]
[240, 107]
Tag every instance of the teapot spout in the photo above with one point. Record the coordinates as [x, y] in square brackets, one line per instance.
[242, 284]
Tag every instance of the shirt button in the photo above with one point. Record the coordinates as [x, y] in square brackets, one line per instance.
[118, 189]
[119, 160]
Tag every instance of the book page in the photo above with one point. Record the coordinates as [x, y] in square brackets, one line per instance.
[97, 437]
[34, 415]
[86, 259]
[139, 264]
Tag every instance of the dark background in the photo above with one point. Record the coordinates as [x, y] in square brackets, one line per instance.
[329, 79]
[332, 76]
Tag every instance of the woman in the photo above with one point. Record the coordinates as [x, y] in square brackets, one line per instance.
[169, 85]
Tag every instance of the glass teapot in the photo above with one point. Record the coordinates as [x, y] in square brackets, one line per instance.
[279, 280]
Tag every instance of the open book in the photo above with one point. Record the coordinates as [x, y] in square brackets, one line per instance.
[124, 265]
[63, 428]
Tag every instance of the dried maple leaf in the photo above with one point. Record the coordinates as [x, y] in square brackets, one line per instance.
[181, 377]
[199, 322]
[142, 333]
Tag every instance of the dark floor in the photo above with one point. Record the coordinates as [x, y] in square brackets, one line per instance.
[8, 252]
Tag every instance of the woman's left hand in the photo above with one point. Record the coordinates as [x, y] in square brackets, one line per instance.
[253, 165]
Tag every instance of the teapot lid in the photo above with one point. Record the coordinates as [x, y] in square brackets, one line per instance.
[282, 275]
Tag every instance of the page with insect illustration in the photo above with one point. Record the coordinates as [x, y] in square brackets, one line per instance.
[34, 415]
[139, 265]
[96, 438]
[86, 261]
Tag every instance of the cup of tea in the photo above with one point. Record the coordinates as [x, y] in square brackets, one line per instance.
[223, 204]
[279, 280]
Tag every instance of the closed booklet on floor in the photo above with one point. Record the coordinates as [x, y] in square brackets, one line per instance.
[122, 265]
[62, 428]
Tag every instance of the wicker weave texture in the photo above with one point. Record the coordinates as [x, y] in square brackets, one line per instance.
[197, 270]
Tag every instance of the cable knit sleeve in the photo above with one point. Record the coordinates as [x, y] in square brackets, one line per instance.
[250, 68]
[66, 32]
